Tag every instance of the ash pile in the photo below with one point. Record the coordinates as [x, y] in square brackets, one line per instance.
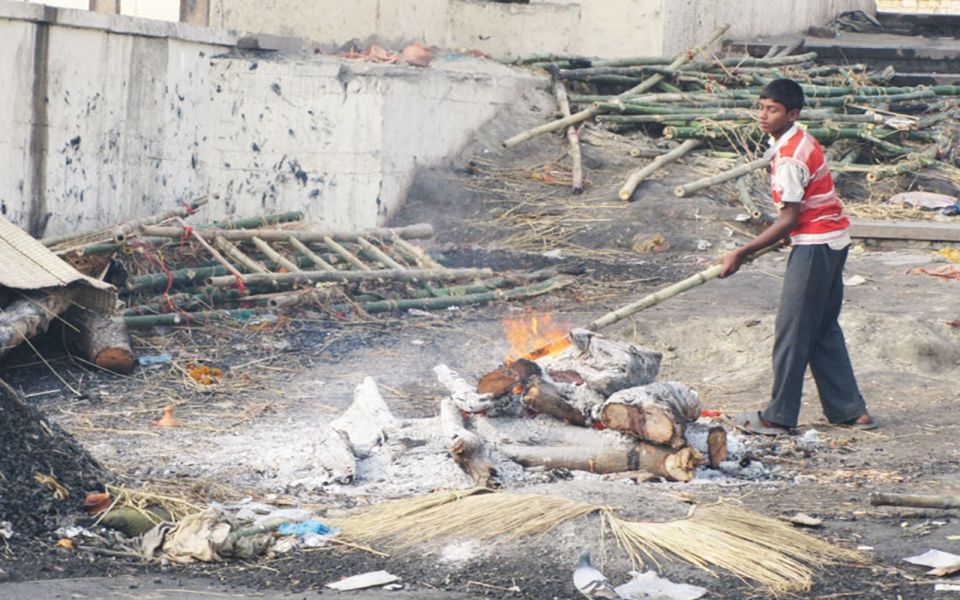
[44, 473]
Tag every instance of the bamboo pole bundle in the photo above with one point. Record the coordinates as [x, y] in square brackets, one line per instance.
[213, 252]
[418, 231]
[237, 255]
[382, 257]
[345, 254]
[312, 277]
[588, 113]
[734, 173]
[626, 192]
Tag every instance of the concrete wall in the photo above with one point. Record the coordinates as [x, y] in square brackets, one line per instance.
[920, 6]
[107, 118]
[604, 28]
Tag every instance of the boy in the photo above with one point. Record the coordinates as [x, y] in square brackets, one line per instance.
[807, 331]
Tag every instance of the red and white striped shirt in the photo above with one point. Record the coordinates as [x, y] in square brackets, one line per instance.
[799, 173]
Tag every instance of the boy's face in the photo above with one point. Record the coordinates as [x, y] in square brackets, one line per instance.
[775, 118]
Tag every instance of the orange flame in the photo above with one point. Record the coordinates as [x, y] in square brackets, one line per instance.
[534, 336]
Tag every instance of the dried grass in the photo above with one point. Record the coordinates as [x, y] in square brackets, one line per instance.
[766, 551]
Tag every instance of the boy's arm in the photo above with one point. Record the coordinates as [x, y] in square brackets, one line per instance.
[781, 228]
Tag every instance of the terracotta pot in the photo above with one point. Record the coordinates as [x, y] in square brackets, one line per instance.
[417, 55]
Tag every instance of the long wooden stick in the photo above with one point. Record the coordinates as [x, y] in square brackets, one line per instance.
[420, 230]
[589, 113]
[273, 255]
[666, 293]
[573, 137]
[213, 251]
[310, 277]
[235, 253]
[626, 192]
[734, 173]
[915, 501]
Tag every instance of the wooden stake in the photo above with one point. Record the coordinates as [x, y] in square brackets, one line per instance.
[626, 192]
[573, 137]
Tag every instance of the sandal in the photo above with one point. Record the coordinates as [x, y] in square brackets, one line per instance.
[750, 422]
[868, 426]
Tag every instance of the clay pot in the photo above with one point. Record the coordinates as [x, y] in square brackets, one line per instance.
[417, 55]
[96, 502]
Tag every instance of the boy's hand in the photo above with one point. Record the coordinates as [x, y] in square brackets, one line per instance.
[731, 263]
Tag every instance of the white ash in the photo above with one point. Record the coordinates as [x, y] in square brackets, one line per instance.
[460, 552]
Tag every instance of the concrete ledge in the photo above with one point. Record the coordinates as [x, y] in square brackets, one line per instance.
[121, 24]
[905, 230]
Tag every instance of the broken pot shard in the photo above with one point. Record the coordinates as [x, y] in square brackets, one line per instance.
[657, 412]
[607, 366]
[367, 420]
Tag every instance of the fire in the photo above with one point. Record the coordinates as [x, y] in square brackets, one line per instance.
[533, 336]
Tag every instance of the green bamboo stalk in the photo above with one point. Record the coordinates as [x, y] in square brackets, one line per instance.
[626, 192]
[257, 222]
[180, 277]
[465, 300]
[193, 318]
[734, 173]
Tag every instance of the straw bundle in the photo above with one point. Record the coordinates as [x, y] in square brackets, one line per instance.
[724, 536]
[439, 515]
[748, 545]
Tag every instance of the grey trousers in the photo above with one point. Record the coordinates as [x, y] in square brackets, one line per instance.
[807, 333]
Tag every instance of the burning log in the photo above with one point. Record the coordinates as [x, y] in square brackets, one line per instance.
[102, 340]
[462, 393]
[605, 365]
[31, 315]
[503, 380]
[549, 444]
[546, 398]
[716, 446]
[657, 412]
[466, 447]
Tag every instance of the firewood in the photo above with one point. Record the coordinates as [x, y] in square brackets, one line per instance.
[673, 465]
[366, 420]
[716, 446]
[462, 393]
[657, 412]
[548, 443]
[31, 315]
[466, 447]
[606, 365]
[102, 340]
[913, 500]
[506, 378]
[544, 397]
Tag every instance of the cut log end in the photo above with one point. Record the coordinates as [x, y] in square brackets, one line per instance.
[658, 427]
[118, 360]
[716, 446]
[679, 191]
[544, 397]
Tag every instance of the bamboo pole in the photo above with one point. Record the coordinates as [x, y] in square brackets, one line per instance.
[626, 192]
[235, 253]
[573, 137]
[418, 255]
[311, 277]
[345, 254]
[379, 254]
[666, 293]
[743, 193]
[273, 255]
[213, 251]
[310, 254]
[185, 318]
[421, 230]
[583, 115]
[259, 222]
[734, 173]
[914, 501]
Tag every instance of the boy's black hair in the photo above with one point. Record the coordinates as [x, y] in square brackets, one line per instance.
[785, 91]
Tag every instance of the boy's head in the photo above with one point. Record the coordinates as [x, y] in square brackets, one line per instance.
[780, 104]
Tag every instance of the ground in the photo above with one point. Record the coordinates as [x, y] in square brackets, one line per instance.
[249, 434]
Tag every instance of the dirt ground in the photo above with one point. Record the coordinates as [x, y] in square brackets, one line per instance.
[250, 435]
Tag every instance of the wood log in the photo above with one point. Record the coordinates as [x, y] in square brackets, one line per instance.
[102, 340]
[672, 465]
[466, 447]
[637, 177]
[716, 446]
[915, 500]
[366, 421]
[333, 455]
[573, 137]
[544, 442]
[606, 365]
[505, 379]
[546, 398]
[462, 393]
[30, 315]
[657, 412]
